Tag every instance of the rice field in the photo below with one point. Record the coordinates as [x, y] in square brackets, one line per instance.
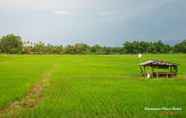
[90, 86]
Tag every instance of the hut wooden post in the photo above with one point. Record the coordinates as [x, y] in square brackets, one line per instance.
[172, 69]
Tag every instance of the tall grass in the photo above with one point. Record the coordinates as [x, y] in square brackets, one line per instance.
[97, 86]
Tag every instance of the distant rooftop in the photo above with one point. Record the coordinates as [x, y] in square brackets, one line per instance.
[157, 63]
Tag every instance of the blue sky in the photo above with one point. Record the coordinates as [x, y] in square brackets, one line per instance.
[105, 22]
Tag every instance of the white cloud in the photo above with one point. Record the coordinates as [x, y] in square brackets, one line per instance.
[107, 13]
[29, 4]
[62, 12]
[46, 4]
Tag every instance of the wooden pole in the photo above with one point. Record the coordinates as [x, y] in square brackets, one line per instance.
[144, 71]
[152, 71]
[141, 69]
[157, 76]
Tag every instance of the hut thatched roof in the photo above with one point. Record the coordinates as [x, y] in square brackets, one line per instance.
[157, 63]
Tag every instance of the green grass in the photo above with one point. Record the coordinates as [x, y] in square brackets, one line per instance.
[93, 86]
[17, 75]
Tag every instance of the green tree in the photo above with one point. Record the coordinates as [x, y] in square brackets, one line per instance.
[146, 47]
[180, 47]
[11, 44]
[160, 47]
[69, 49]
[81, 48]
[97, 49]
[39, 48]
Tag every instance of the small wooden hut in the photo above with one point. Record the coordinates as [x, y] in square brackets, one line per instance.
[156, 68]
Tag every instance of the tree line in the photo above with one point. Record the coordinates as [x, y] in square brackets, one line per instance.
[12, 44]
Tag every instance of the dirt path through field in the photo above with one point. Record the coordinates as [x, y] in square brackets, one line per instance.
[33, 97]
